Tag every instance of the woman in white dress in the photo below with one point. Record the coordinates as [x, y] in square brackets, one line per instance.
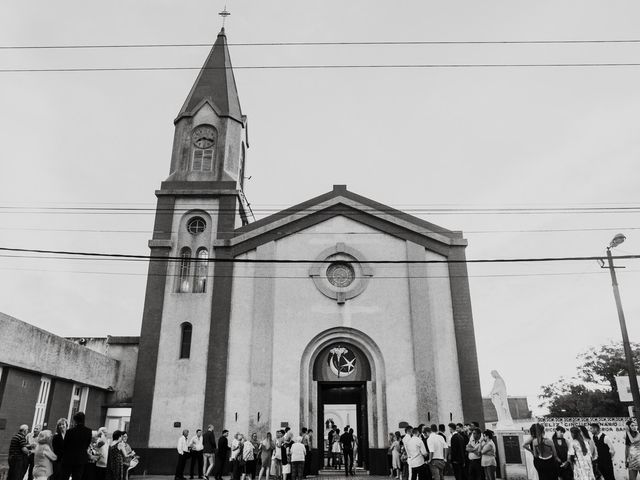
[580, 456]
[395, 455]
[336, 452]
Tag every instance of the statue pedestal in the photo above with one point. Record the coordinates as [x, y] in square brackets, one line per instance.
[511, 455]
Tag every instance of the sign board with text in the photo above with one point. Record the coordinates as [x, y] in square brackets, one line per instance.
[624, 388]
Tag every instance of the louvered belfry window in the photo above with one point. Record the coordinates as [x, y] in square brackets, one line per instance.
[202, 160]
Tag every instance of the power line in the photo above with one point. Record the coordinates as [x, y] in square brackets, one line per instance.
[323, 67]
[314, 261]
[318, 209]
[301, 277]
[150, 231]
[312, 44]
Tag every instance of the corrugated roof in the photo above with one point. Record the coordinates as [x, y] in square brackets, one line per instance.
[215, 83]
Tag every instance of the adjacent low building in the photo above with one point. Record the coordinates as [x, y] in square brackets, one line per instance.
[44, 377]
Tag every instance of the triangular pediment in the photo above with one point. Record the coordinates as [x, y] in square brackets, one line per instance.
[342, 202]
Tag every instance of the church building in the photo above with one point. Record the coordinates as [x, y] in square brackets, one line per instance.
[336, 310]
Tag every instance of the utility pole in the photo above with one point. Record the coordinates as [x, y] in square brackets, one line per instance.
[631, 368]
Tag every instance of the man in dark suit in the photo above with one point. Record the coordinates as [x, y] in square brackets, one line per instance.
[222, 455]
[457, 452]
[209, 442]
[346, 440]
[76, 443]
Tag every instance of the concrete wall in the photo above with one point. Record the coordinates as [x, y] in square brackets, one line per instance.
[297, 311]
[180, 383]
[17, 404]
[125, 351]
[59, 400]
[31, 348]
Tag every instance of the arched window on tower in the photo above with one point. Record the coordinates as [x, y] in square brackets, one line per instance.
[204, 143]
[184, 275]
[185, 339]
[202, 263]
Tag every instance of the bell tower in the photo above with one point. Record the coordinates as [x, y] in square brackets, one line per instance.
[200, 204]
[210, 139]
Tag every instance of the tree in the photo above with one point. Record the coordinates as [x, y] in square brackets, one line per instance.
[569, 398]
[600, 365]
[593, 393]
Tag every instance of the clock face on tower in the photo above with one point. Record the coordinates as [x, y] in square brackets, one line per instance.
[204, 136]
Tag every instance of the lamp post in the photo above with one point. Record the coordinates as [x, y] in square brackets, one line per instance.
[631, 368]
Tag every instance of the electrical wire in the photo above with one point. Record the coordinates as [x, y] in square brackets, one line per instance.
[300, 277]
[323, 67]
[310, 261]
[150, 232]
[313, 44]
[631, 208]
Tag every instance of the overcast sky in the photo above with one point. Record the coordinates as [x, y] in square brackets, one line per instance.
[414, 138]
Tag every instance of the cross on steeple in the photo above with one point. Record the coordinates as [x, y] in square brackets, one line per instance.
[224, 14]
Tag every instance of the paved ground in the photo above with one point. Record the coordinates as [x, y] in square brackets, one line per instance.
[330, 476]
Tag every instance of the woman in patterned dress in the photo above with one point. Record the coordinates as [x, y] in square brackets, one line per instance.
[632, 449]
[115, 459]
[580, 456]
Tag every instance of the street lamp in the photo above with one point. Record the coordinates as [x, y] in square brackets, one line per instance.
[631, 368]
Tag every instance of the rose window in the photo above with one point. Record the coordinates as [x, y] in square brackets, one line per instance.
[340, 274]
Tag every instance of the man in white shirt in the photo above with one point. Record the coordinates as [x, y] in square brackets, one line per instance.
[236, 450]
[473, 451]
[408, 432]
[298, 456]
[416, 452]
[196, 447]
[32, 442]
[183, 454]
[437, 453]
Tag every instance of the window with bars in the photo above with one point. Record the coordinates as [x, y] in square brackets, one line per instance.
[79, 395]
[202, 160]
[41, 404]
[184, 274]
[200, 283]
[185, 339]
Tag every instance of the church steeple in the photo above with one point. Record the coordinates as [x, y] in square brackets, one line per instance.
[210, 130]
[215, 84]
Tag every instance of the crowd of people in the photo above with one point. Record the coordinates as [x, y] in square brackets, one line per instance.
[78, 453]
[342, 448]
[424, 452]
[469, 453]
[284, 457]
[582, 453]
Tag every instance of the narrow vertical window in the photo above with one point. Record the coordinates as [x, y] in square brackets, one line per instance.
[41, 404]
[184, 280]
[197, 161]
[185, 340]
[207, 160]
[200, 285]
[202, 160]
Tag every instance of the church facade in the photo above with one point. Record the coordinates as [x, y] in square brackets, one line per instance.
[339, 309]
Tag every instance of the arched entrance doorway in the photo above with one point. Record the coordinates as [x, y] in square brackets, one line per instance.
[331, 383]
[341, 372]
